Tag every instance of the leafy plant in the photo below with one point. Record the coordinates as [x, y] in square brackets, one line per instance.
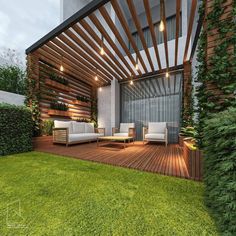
[94, 113]
[188, 131]
[59, 106]
[86, 120]
[83, 98]
[59, 79]
[16, 127]
[220, 167]
[47, 127]
[12, 79]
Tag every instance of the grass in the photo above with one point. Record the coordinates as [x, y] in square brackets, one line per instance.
[63, 196]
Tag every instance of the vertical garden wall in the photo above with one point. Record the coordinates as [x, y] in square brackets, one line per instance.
[216, 109]
[55, 94]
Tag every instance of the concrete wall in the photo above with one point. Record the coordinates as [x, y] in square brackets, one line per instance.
[104, 109]
[11, 98]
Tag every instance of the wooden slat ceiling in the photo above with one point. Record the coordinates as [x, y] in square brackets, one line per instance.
[76, 43]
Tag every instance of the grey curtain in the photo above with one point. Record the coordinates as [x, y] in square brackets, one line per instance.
[153, 100]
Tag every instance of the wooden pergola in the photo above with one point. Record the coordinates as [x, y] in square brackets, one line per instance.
[76, 45]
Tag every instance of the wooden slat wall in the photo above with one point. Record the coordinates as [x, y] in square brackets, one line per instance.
[49, 93]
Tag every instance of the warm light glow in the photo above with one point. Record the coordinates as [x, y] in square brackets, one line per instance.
[61, 68]
[102, 51]
[100, 89]
[161, 27]
[167, 74]
[136, 67]
[96, 78]
[131, 82]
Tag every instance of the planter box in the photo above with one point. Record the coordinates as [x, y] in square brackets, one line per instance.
[80, 103]
[57, 85]
[59, 113]
[193, 160]
[181, 141]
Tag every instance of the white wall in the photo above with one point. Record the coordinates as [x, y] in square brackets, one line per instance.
[69, 7]
[11, 98]
[104, 109]
[109, 107]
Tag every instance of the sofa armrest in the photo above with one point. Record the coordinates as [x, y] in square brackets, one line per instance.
[100, 131]
[60, 135]
[114, 130]
[145, 131]
[166, 135]
[132, 132]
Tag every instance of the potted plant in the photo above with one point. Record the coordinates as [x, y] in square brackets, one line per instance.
[59, 109]
[187, 134]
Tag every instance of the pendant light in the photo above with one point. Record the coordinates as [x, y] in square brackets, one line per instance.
[100, 89]
[167, 74]
[61, 67]
[96, 76]
[161, 26]
[102, 52]
[136, 65]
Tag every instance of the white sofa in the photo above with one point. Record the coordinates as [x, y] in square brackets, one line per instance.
[125, 130]
[156, 131]
[72, 132]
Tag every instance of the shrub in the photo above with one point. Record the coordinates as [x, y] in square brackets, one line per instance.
[59, 106]
[16, 128]
[12, 79]
[47, 126]
[220, 169]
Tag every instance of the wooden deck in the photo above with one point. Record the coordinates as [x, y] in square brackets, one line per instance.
[154, 158]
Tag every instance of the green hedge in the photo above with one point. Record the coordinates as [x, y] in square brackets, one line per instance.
[220, 169]
[16, 129]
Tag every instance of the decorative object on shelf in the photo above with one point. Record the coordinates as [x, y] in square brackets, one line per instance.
[59, 106]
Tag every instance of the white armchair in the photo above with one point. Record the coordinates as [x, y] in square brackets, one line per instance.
[125, 130]
[156, 131]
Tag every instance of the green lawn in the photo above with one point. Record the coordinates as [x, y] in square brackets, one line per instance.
[63, 196]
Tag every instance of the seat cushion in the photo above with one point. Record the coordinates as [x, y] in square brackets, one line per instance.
[78, 127]
[156, 127]
[83, 137]
[155, 136]
[89, 127]
[64, 124]
[124, 127]
[121, 134]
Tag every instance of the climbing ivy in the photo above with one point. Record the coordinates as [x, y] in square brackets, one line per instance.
[217, 68]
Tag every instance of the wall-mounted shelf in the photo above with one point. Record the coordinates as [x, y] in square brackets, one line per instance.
[57, 85]
[80, 103]
[59, 113]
